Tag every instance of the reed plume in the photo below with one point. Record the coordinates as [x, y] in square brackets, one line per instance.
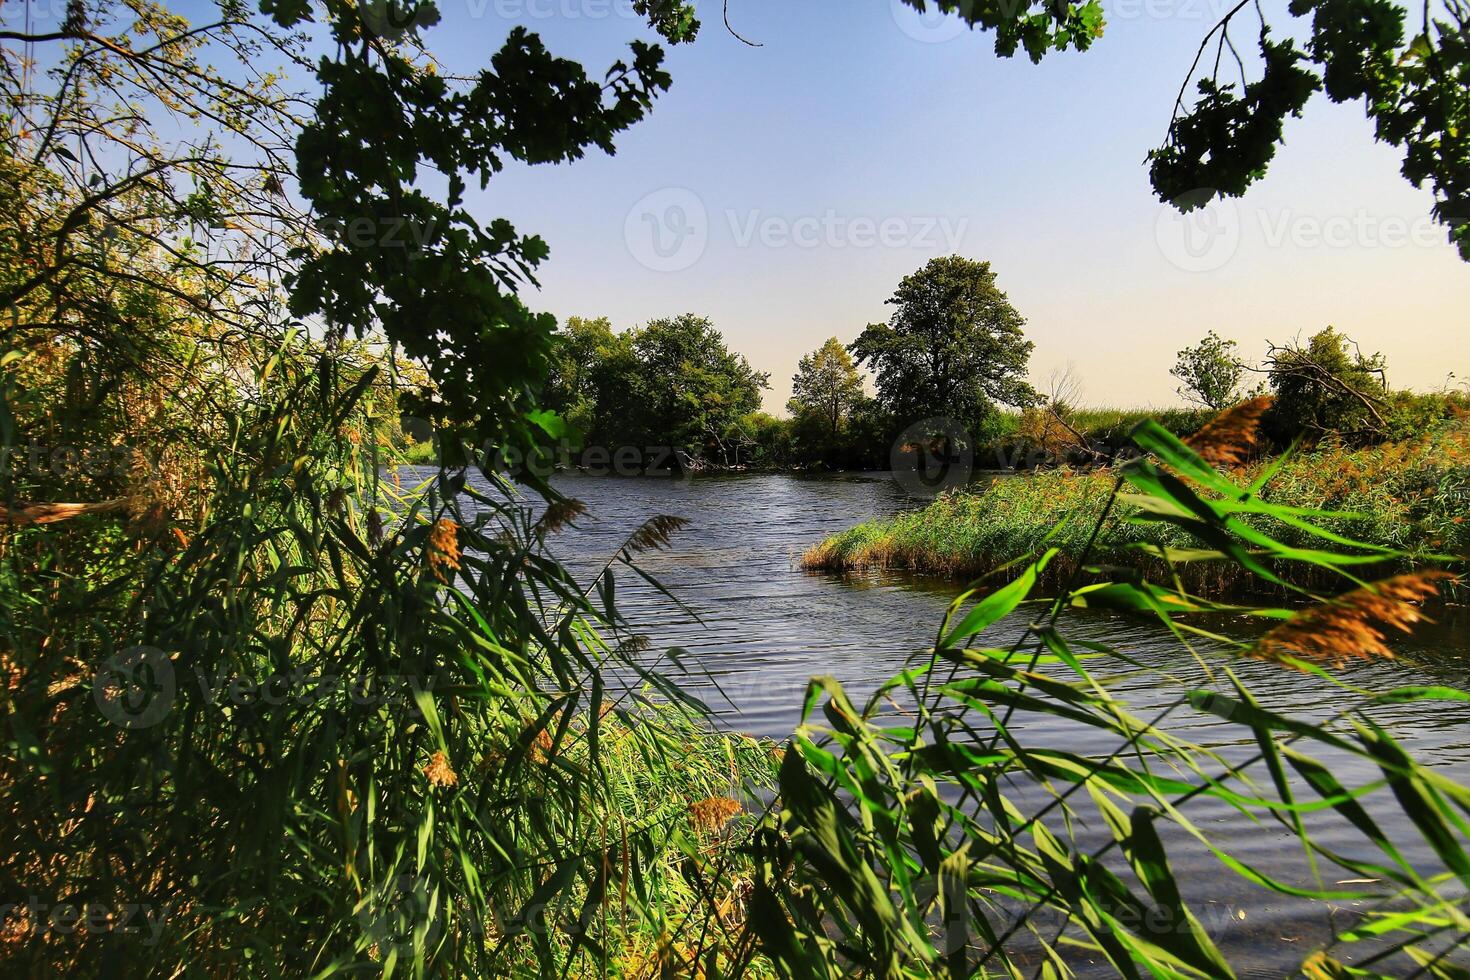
[1354, 625]
[655, 533]
[439, 771]
[560, 514]
[713, 812]
[1226, 441]
[443, 549]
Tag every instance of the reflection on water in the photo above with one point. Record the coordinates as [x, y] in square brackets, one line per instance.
[765, 627]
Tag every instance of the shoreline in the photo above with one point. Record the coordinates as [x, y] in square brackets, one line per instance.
[1410, 497]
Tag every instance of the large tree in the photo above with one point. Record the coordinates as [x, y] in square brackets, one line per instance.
[826, 386]
[953, 347]
[693, 389]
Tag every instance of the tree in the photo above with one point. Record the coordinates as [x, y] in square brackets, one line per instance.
[953, 347]
[580, 353]
[1327, 386]
[691, 389]
[1210, 372]
[826, 385]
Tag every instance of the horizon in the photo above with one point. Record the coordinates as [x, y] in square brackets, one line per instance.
[783, 191]
[760, 188]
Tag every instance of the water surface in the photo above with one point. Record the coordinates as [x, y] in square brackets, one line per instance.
[764, 627]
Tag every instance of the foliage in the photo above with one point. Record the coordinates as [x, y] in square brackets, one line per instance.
[1405, 496]
[953, 347]
[309, 724]
[1036, 27]
[323, 726]
[446, 297]
[1415, 89]
[962, 835]
[1414, 84]
[695, 389]
[1327, 386]
[583, 353]
[1210, 373]
[669, 383]
[825, 391]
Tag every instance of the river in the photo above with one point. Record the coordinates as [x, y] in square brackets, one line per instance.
[758, 626]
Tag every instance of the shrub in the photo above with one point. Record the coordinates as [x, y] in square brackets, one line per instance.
[1327, 388]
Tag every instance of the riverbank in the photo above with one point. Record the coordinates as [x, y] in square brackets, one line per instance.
[1413, 496]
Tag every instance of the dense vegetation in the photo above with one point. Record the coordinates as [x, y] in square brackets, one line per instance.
[269, 714]
[1409, 497]
[1393, 463]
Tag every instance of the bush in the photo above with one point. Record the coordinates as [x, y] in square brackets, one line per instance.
[1327, 388]
[1410, 496]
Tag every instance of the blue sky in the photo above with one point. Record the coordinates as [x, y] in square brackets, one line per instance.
[792, 186]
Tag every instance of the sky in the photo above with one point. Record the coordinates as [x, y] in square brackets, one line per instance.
[784, 190]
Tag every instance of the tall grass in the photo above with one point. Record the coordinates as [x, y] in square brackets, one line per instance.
[948, 826]
[1411, 496]
[330, 728]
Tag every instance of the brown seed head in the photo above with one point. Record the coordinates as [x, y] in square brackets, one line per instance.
[559, 514]
[1355, 624]
[439, 771]
[655, 533]
[1226, 441]
[712, 813]
[443, 549]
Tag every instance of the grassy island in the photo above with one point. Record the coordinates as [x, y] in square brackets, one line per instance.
[1412, 495]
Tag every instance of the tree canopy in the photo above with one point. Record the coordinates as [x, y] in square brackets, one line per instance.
[826, 386]
[954, 346]
[1209, 372]
[1413, 81]
[672, 383]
